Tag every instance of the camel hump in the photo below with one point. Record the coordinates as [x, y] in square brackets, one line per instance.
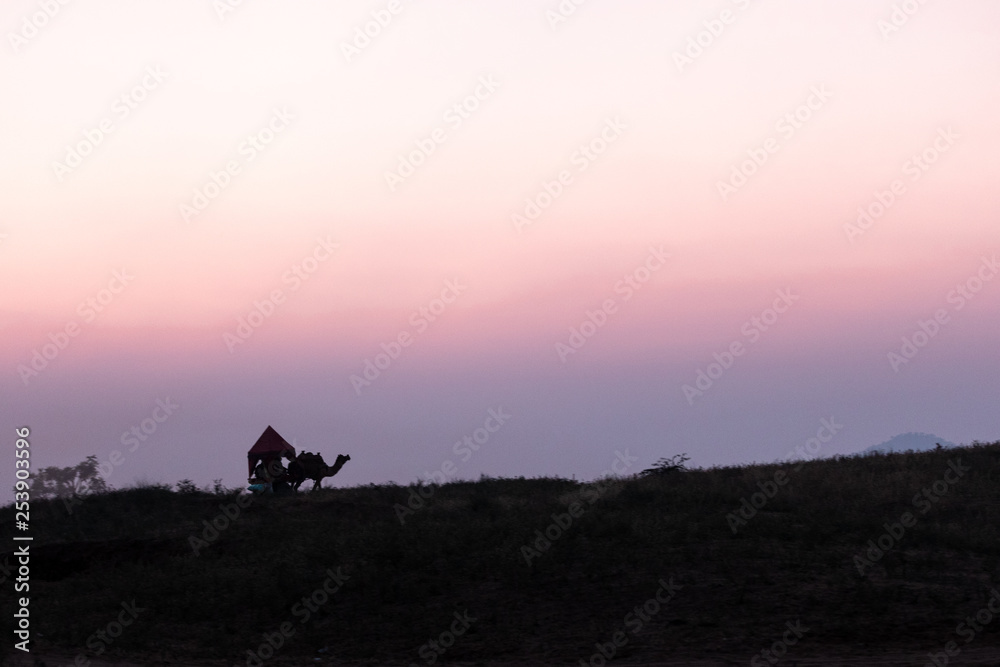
[307, 458]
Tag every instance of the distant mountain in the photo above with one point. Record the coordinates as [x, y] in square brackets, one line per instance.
[918, 442]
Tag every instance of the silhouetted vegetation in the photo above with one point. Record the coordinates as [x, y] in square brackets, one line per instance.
[668, 465]
[72, 481]
[791, 554]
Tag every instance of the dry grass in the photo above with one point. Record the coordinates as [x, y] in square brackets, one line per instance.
[463, 550]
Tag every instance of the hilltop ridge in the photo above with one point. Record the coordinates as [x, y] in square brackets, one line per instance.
[875, 553]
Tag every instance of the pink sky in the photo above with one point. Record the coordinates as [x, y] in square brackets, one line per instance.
[198, 86]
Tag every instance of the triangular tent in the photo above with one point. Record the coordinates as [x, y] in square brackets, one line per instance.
[269, 446]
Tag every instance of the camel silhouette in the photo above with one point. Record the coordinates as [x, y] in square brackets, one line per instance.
[311, 466]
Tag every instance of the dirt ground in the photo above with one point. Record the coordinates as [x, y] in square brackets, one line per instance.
[833, 656]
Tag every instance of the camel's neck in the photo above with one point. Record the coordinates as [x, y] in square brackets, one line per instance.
[334, 469]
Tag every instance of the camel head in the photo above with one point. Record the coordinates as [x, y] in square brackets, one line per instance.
[337, 465]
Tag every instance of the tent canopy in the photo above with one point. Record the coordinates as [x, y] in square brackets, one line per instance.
[269, 446]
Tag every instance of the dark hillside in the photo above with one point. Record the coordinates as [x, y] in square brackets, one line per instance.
[457, 569]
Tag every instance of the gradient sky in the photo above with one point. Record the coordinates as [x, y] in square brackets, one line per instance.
[672, 131]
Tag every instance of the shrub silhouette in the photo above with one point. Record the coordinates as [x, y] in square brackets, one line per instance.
[72, 481]
[666, 466]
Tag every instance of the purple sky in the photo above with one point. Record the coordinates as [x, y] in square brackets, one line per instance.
[654, 227]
